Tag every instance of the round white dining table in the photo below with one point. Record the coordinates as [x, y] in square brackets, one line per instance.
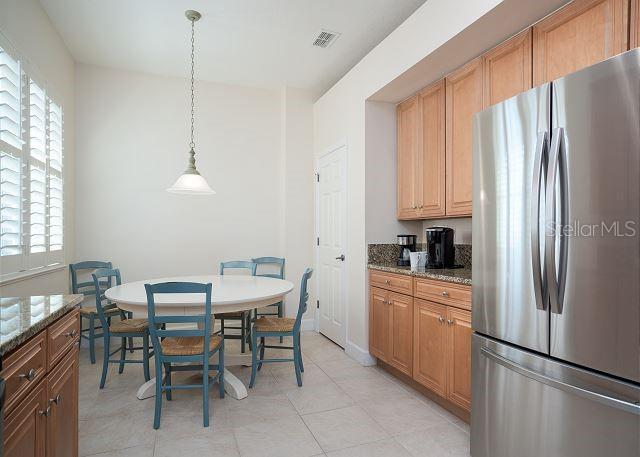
[230, 293]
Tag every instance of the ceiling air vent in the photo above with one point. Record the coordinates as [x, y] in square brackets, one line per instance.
[325, 38]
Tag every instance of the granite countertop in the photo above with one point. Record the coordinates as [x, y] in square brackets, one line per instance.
[23, 317]
[455, 275]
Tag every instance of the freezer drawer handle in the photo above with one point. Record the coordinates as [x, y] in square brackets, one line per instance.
[539, 281]
[589, 395]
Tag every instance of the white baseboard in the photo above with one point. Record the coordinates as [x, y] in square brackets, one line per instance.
[308, 324]
[361, 355]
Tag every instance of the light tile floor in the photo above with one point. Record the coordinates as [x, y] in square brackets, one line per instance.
[342, 410]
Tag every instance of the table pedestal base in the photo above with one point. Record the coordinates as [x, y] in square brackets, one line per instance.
[232, 385]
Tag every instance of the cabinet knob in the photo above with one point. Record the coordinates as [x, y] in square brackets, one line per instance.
[445, 293]
[71, 334]
[386, 281]
[29, 376]
[441, 319]
[414, 207]
[45, 412]
[449, 321]
[55, 399]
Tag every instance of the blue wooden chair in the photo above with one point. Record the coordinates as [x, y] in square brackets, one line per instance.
[280, 326]
[124, 329]
[194, 346]
[276, 271]
[90, 313]
[243, 316]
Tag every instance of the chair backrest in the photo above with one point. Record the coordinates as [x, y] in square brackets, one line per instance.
[155, 321]
[86, 287]
[304, 297]
[101, 277]
[276, 262]
[239, 265]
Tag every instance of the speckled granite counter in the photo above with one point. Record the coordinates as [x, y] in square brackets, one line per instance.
[455, 275]
[23, 317]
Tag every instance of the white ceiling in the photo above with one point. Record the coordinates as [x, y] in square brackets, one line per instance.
[260, 43]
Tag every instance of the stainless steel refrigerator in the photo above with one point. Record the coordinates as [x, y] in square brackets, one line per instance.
[556, 268]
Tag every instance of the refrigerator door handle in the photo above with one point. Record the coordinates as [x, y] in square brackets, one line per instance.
[557, 167]
[539, 281]
[633, 408]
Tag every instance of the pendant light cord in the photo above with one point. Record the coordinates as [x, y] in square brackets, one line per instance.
[192, 144]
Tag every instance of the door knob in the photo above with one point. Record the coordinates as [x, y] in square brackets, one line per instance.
[341, 257]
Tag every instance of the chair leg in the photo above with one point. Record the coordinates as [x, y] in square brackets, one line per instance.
[261, 352]
[92, 335]
[254, 360]
[280, 309]
[145, 356]
[123, 354]
[296, 360]
[249, 330]
[221, 370]
[105, 359]
[205, 396]
[158, 405]
[243, 335]
[80, 339]
[167, 369]
[300, 353]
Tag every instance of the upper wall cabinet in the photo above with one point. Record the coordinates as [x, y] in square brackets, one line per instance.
[507, 69]
[579, 35]
[408, 118]
[431, 154]
[635, 24]
[464, 99]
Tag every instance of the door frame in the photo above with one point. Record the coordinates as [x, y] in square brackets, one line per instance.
[345, 293]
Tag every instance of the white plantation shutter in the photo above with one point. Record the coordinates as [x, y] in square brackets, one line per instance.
[31, 171]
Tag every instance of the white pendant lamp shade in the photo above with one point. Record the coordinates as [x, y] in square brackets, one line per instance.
[191, 181]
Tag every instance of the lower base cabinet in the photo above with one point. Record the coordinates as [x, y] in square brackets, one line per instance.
[425, 339]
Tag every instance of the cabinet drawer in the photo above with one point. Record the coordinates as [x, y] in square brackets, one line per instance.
[443, 292]
[389, 281]
[23, 369]
[62, 335]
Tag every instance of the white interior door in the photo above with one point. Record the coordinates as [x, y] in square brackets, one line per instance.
[332, 199]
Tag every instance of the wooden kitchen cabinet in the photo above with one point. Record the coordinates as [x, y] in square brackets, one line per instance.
[459, 357]
[401, 322]
[635, 24]
[430, 183]
[379, 323]
[507, 68]
[429, 346]
[62, 430]
[391, 328]
[464, 99]
[408, 118]
[25, 428]
[582, 33]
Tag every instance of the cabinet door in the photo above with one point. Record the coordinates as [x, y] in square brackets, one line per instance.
[25, 427]
[464, 99]
[408, 118]
[379, 325]
[431, 156]
[581, 34]
[62, 424]
[507, 69]
[429, 345]
[459, 357]
[401, 323]
[635, 24]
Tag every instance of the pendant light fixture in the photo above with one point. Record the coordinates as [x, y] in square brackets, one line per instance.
[191, 181]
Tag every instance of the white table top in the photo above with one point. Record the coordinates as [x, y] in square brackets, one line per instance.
[229, 293]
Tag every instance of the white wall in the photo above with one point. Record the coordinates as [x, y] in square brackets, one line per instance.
[252, 145]
[25, 25]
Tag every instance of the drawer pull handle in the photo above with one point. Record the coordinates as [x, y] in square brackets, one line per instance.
[445, 293]
[46, 412]
[55, 399]
[29, 376]
[71, 334]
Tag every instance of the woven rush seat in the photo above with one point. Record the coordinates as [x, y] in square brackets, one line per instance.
[274, 324]
[92, 310]
[188, 345]
[129, 325]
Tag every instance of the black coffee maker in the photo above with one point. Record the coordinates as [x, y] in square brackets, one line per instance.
[440, 250]
[406, 244]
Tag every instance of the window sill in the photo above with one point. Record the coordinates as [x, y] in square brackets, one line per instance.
[11, 278]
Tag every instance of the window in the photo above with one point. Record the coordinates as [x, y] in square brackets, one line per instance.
[31, 173]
